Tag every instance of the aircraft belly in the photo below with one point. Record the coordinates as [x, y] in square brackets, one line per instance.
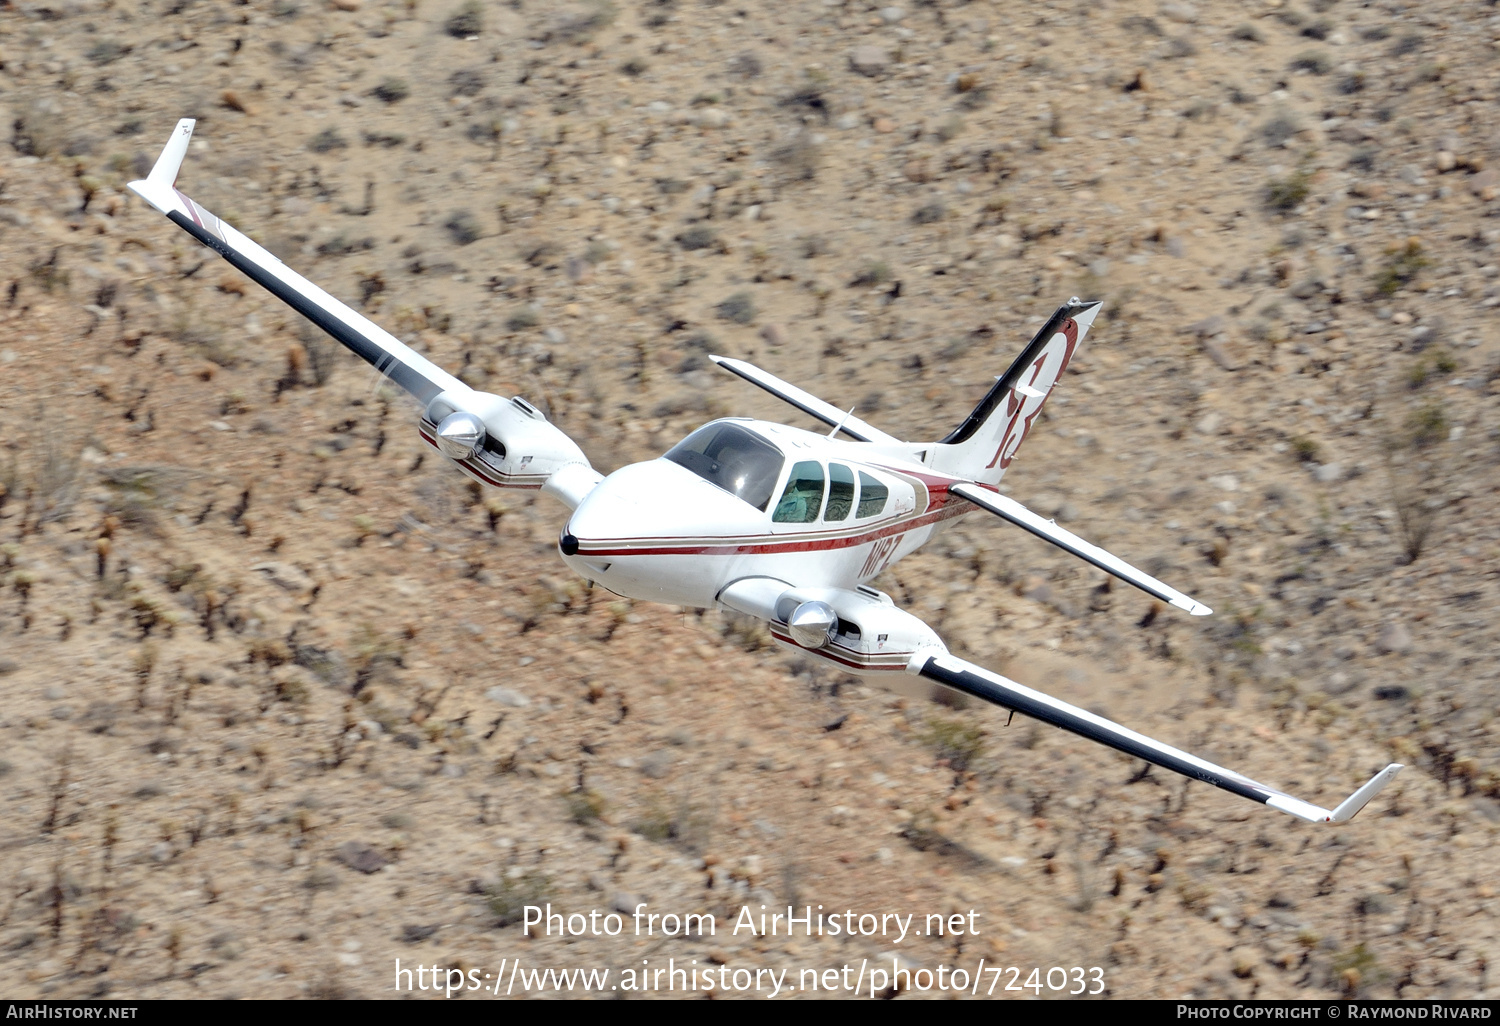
[680, 580]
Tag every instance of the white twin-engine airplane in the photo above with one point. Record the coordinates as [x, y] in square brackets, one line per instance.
[772, 521]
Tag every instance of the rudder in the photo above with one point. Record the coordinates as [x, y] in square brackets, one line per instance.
[982, 447]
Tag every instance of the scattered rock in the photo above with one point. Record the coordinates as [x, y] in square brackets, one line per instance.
[8, 666]
[1392, 693]
[625, 902]
[1394, 639]
[100, 717]
[361, 857]
[321, 878]
[1222, 352]
[1486, 184]
[739, 308]
[1339, 683]
[773, 335]
[1038, 589]
[327, 664]
[699, 236]
[1328, 473]
[1422, 336]
[507, 696]
[872, 61]
[1445, 160]
[411, 933]
[1184, 13]
[227, 945]
[658, 764]
[1208, 327]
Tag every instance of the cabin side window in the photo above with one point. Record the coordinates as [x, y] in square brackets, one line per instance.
[802, 500]
[840, 493]
[872, 496]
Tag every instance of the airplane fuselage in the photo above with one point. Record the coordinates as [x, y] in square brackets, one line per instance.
[833, 514]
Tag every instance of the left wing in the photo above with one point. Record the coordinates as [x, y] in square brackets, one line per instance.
[974, 680]
[1009, 509]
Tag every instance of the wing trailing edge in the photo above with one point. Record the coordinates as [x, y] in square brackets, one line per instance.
[983, 684]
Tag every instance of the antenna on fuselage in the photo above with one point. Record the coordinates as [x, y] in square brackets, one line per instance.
[842, 420]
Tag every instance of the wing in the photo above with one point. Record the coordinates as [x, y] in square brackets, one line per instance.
[367, 340]
[991, 687]
[807, 402]
[1009, 509]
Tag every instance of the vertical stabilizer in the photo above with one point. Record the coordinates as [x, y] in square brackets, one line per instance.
[982, 447]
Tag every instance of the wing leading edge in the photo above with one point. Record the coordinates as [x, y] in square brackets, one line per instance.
[1009, 509]
[974, 680]
[367, 340]
[807, 402]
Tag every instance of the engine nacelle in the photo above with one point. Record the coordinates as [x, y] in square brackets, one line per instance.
[859, 631]
[505, 442]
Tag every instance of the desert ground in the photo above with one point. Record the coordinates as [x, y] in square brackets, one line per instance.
[287, 700]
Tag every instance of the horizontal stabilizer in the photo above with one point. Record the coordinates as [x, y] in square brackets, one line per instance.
[963, 676]
[1009, 509]
[807, 402]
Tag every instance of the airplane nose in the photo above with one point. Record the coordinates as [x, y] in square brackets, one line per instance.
[568, 544]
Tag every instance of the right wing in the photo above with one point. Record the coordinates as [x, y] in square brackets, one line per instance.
[808, 403]
[1009, 509]
[974, 680]
[367, 340]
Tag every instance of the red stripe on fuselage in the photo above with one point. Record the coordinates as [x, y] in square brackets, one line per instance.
[728, 547]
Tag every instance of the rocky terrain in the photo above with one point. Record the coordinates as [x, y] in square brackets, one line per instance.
[285, 700]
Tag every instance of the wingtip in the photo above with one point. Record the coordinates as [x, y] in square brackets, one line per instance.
[1192, 606]
[164, 172]
[1359, 799]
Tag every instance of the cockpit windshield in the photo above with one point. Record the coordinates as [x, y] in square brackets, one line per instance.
[738, 461]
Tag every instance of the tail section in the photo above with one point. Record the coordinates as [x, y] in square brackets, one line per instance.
[982, 447]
